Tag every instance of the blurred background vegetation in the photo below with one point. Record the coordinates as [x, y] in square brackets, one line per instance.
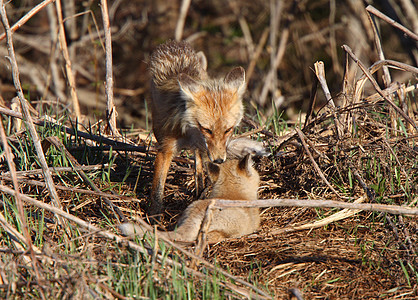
[249, 33]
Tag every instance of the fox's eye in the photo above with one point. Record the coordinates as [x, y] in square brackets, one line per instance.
[204, 129]
[228, 130]
[207, 130]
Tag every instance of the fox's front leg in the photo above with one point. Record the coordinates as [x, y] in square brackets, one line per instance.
[198, 172]
[162, 165]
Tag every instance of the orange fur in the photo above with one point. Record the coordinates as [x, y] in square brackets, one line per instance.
[190, 111]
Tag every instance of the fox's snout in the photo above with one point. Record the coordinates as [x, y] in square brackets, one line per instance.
[216, 144]
[216, 155]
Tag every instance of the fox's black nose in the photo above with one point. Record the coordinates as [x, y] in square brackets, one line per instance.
[218, 161]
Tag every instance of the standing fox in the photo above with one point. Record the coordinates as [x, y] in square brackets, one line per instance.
[190, 111]
[232, 180]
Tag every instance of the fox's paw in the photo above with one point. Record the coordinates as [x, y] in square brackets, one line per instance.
[131, 229]
[240, 147]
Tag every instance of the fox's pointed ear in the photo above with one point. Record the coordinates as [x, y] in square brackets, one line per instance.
[188, 86]
[213, 170]
[236, 80]
[245, 164]
[202, 59]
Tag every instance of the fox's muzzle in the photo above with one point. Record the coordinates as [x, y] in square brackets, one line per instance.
[216, 156]
[219, 161]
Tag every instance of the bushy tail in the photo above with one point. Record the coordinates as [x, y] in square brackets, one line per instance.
[173, 58]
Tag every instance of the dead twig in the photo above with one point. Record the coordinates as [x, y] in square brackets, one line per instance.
[27, 17]
[392, 22]
[178, 33]
[54, 169]
[320, 74]
[338, 216]
[73, 189]
[108, 289]
[234, 5]
[54, 77]
[369, 192]
[332, 40]
[17, 238]
[27, 116]
[315, 165]
[97, 138]
[25, 239]
[392, 88]
[410, 10]
[202, 235]
[312, 100]
[66, 55]
[254, 58]
[386, 75]
[9, 156]
[391, 209]
[277, 61]
[377, 88]
[57, 143]
[111, 109]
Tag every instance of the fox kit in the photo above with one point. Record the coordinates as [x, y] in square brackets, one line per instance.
[232, 180]
[190, 111]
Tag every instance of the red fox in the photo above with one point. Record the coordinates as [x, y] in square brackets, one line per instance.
[190, 111]
[232, 180]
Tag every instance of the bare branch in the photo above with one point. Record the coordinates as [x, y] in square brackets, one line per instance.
[27, 117]
[258, 50]
[377, 88]
[68, 68]
[26, 238]
[392, 22]
[202, 235]
[111, 109]
[391, 209]
[27, 17]
[320, 73]
[386, 75]
[178, 34]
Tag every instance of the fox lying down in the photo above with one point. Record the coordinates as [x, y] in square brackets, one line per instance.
[233, 180]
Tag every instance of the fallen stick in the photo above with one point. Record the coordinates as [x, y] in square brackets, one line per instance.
[391, 209]
[338, 216]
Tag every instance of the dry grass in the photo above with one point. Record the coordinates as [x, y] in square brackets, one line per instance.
[356, 143]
